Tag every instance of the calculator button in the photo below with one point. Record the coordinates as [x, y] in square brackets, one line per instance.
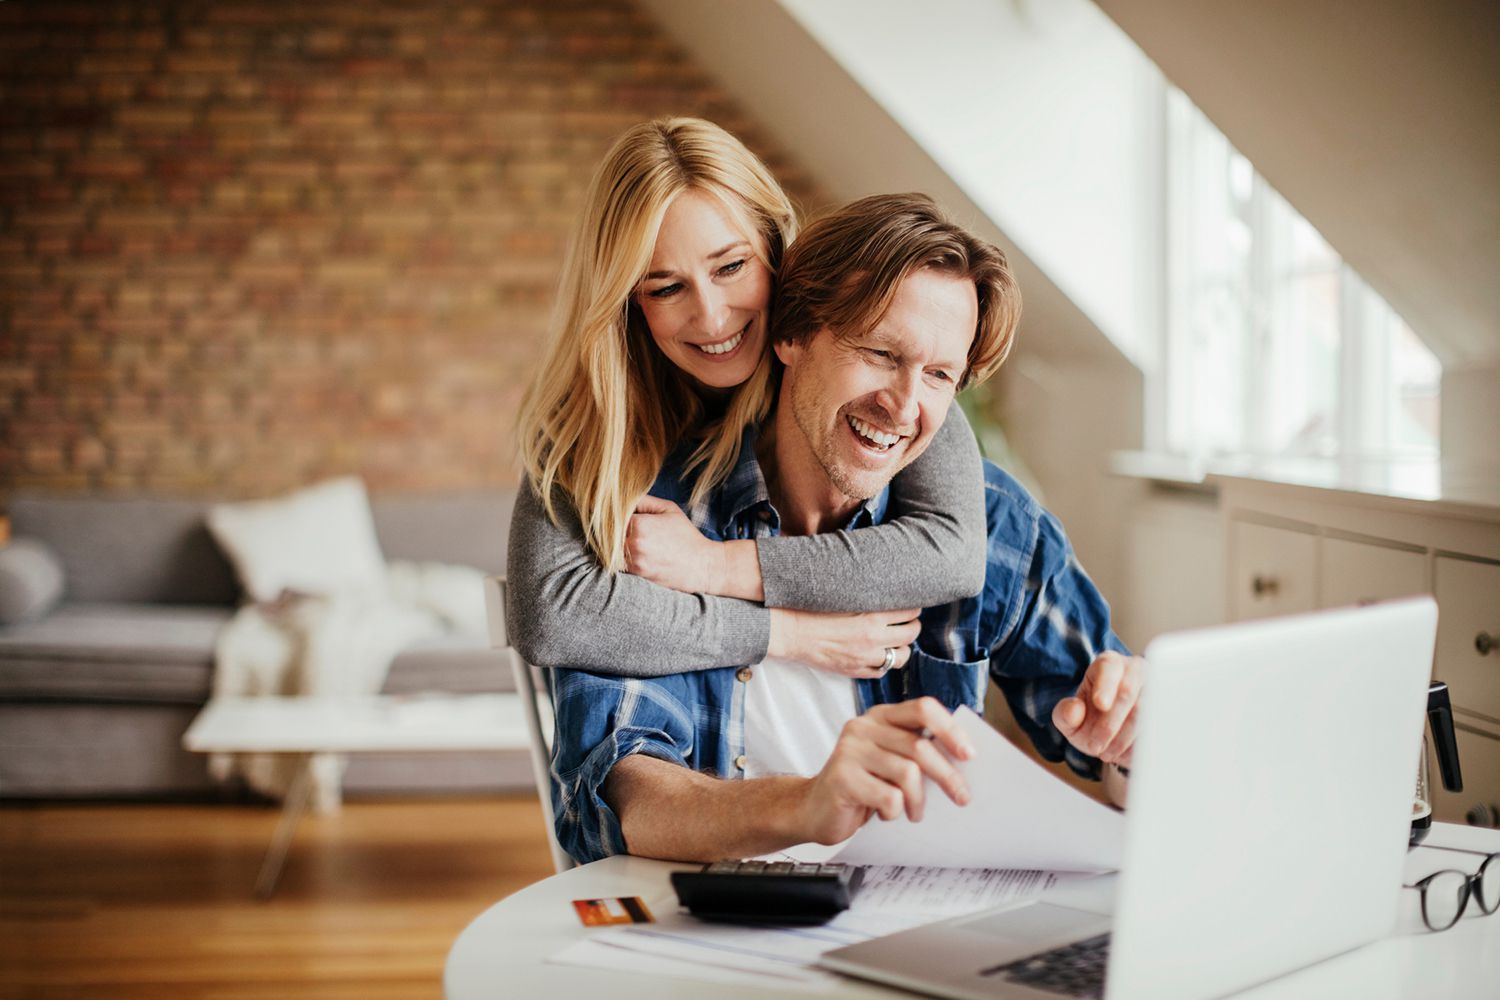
[779, 868]
[805, 869]
[722, 867]
[830, 869]
[752, 866]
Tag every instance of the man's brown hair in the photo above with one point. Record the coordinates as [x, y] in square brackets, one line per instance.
[843, 271]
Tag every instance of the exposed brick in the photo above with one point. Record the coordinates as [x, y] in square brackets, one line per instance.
[25, 168]
[245, 117]
[274, 242]
[172, 118]
[87, 454]
[122, 166]
[137, 219]
[260, 272]
[284, 170]
[212, 63]
[43, 456]
[21, 272]
[342, 119]
[140, 40]
[113, 63]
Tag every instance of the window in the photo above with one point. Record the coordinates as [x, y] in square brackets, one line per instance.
[1274, 347]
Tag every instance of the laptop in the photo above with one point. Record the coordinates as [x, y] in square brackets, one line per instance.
[1269, 808]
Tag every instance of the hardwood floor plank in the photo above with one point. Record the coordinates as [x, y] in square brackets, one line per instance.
[137, 901]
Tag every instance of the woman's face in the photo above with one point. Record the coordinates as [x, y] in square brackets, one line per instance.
[706, 292]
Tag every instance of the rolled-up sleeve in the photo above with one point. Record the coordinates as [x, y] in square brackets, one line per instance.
[601, 720]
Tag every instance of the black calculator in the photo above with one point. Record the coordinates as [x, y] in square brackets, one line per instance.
[768, 892]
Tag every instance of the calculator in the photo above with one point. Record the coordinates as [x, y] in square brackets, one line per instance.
[768, 892]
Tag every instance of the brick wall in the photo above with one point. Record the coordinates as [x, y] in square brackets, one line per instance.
[246, 244]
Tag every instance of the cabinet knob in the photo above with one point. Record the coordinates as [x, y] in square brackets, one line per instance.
[1265, 586]
[1486, 643]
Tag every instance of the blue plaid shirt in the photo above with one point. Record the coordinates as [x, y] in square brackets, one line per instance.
[1035, 628]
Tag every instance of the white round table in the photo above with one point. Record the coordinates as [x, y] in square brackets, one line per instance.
[504, 951]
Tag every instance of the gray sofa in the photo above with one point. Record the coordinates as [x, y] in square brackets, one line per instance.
[95, 695]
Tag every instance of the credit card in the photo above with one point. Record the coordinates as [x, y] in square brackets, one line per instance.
[620, 910]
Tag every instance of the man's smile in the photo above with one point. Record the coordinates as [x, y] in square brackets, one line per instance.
[871, 436]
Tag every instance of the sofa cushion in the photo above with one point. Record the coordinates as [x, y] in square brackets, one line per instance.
[140, 549]
[31, 580]
[319, 540]
[112, 652]
[466, 529]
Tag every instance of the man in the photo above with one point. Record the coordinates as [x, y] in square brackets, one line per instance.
[885, 310]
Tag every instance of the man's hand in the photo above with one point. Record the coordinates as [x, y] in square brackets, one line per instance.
[1100, 718]
[878, 767]
[847, 644]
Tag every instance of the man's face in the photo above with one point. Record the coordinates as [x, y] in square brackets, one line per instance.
[867, 404]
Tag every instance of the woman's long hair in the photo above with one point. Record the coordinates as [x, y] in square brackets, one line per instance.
[607, 406]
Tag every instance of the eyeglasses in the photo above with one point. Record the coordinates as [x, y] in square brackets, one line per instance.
[1445, 894]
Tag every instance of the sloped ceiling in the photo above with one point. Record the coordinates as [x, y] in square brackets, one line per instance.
[1379, 120]
[853, 147]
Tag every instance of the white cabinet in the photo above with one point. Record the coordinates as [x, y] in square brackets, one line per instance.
[1296, 548]
[1468, 656]
[1275, 570]
[1364, 572]
[1479, 802]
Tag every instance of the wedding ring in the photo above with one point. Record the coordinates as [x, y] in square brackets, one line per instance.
[890, 659]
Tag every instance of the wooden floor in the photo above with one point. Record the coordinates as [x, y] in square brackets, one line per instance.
[127, 901]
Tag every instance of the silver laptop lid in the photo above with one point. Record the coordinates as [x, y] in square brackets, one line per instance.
[1270, 797]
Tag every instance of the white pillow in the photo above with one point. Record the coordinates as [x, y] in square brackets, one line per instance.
[319, 541]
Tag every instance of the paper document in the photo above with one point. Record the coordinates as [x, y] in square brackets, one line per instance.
[893, 898]
[1020, 816]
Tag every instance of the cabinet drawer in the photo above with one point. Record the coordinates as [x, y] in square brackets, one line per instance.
[1275, 571]
[1468, 596]
[1479, 760]
[1361, 573]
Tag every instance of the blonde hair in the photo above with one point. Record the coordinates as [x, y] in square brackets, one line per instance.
[607, 406]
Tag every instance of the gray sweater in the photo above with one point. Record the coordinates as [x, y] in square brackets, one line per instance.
[565, 610]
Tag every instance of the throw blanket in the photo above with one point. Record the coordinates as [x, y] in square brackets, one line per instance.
[331, 646]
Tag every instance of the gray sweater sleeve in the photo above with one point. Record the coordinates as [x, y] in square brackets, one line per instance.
[565, 610]
[930, 549]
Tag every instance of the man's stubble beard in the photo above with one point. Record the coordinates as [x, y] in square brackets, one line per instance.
[858, 487]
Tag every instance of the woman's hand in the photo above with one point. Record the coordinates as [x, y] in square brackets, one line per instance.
[663, 546]
[851, 645]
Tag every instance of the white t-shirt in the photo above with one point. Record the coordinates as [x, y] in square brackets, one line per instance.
[793, 716]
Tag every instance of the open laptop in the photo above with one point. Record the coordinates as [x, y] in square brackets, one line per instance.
[1269, 806]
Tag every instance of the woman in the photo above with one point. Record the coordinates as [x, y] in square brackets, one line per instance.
[661, 336]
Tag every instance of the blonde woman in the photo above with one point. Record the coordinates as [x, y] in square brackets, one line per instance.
[661, 341]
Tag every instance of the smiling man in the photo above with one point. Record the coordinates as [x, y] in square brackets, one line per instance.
[885, 310]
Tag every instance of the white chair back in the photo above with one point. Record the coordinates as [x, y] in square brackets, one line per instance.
[533, 686]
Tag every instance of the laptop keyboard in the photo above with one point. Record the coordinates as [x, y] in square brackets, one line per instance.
[1075, 970]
